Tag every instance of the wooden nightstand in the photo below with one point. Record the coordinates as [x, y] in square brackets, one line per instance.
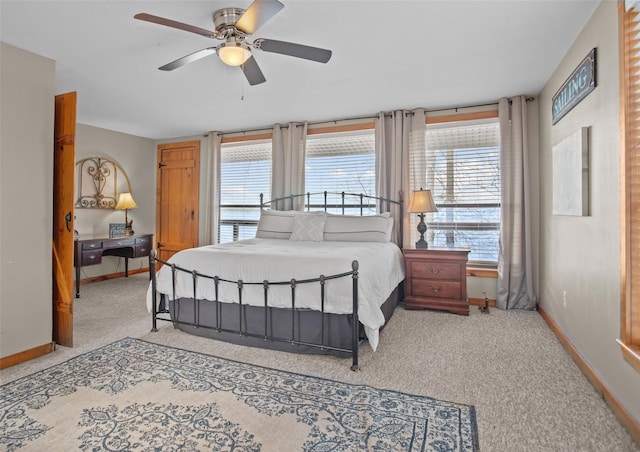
[436, 279]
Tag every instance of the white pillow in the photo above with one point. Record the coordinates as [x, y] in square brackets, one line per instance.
[308, 226]
[350, 228]
[389, 235]
[275, 224]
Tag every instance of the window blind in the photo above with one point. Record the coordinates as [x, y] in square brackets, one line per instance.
[245, 173]
[341, 162]
[462, 166]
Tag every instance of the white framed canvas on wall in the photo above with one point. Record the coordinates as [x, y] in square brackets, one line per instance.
[571, 174]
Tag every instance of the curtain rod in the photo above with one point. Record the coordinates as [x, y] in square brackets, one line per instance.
[459, 107]
[360, 118]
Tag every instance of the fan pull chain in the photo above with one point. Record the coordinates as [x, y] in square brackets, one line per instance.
[244, 85]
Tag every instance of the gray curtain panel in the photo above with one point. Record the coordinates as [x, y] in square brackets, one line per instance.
[213, 189]
[287, 164]
[515, 261]
[398, 135]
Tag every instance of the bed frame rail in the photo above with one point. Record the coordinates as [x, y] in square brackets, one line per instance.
[219, 327]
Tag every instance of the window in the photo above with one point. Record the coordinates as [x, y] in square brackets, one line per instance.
[339, 162]
[462, 164]
[245, 173]
[630, 196]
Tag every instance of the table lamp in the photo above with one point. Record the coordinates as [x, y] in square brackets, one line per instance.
[421, 202]
[126, 202]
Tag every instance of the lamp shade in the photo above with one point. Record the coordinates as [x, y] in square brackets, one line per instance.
[422, 201]
[125, 201]
[234, 53]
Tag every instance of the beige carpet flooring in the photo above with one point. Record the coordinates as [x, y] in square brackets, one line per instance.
[528, 392]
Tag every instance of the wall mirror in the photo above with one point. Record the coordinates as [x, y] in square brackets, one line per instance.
[99, 180]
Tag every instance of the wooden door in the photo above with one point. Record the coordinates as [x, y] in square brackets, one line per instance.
[63, 190]
[177, 197]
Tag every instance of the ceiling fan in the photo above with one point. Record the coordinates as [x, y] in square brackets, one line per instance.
[233, 26]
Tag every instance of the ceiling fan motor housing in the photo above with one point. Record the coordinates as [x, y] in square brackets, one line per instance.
[225, 20]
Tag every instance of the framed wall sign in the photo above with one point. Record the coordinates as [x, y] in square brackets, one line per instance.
[116, 229]
[580, 83]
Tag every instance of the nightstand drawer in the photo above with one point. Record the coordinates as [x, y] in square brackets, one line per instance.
[434, 270]
[437, 289]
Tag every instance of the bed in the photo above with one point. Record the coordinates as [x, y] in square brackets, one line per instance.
[312, 281]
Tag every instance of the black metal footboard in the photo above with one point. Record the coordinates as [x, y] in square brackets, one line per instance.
[241, 329]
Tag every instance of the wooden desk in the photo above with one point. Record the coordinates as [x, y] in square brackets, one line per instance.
[89, 249]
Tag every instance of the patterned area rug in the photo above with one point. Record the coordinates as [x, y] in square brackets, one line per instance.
[136, 395]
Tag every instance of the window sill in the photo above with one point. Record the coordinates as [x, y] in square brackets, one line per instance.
[631, 354]
[482, 272]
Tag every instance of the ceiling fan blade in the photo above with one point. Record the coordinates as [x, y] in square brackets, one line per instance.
[257, 14]
[252, 72]
[294, 50]
[174, 24]
[188, 59]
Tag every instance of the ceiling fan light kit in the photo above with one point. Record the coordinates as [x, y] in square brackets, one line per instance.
[233, 26]
[234, 53]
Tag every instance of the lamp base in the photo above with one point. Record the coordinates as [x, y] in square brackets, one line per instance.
[128, 230]
[422, 228]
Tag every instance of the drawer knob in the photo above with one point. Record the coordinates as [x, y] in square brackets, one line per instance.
[435, 272]
[92, 257]
[435, 289]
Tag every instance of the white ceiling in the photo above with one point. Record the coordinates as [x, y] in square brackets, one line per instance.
[386, 55]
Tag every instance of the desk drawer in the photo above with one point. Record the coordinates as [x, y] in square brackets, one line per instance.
[438, 289]
[141, 250]
[143, 240]
[95, 244]
[118, 243]
[91, 257]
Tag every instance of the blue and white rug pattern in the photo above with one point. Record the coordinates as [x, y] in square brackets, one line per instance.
[136, 395]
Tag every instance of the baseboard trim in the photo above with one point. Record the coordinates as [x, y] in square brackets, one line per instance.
[27, 355]
[480, 302]
[632, 425]
[113, 275]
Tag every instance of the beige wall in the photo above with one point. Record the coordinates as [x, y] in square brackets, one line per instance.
[581, 255]
[136, 156]
[26, 179]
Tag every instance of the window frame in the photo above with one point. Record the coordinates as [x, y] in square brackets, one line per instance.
[491, 113]
[630, 286]
[239, 223]
[315, 131]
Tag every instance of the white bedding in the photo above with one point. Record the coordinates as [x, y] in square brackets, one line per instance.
[381, 269]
